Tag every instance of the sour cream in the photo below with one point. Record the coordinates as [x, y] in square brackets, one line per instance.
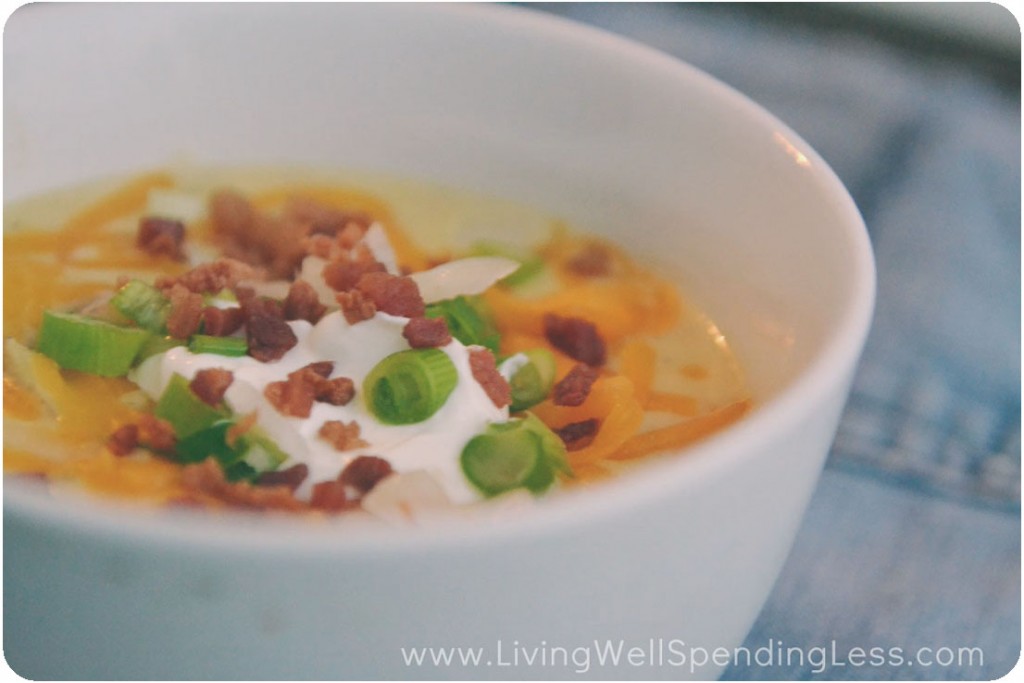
[434, 445]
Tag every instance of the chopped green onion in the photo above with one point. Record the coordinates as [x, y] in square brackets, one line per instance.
[143, 304]
[252, 453]
[468, 321]
[89, 345]
[209, 441]
[222, 346]
[261, 454]
[186, 412]
[157, 345]
[520, 453]
[532, 383]
[409, 386]
[530, 265]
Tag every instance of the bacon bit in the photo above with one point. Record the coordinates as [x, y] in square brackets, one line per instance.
[574, 388]
[221, 322]
[320, 246]
[124, 440]
[337, 392]
[324, 368]
[256, 238]
[186, 312]
[239, 428]
[485, 372]
[394, 294]
[422, 333]
[330, 496]
[207, 478]
[161, 237]
[344, 436]
[318, 219]
[343, 273]
[575, 337]
[156, 433]
[577, 435]
[294, 396]
[290, 477]
[365, 472]
[593, 260]
[303, 303]
[211, 278]
[210, 384]
[355, 307]
[269, 337]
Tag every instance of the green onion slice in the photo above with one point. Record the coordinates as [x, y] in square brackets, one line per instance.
[89, 345]
[222, 346]
[521, 453]
[187, 413]
[468, 321]
[532, 383]
[143, 304]
[409, 386]
[156, 345]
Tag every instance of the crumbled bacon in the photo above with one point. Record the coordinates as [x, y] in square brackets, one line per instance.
[485, 372]
[254, 237]
[593, 260]
[394, 294]
[355, 306]
[161, 237]
[330, 496]
[318, 219]
[344, 436]
[295, 395]
[343, 273]
[221, 322]
[573, 389]
[290, 477]
[575, 337]
[303, 303]
[365, 472]
[210, 384]
[207, 478]
[577, 435]
[338, 391]
[423, 333]
[269, 337]
[211, 278]
[186, 312]
[123, 440]
[324, 368]
[156, 433]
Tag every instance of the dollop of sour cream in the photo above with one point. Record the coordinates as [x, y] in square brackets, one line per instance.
[434, 445]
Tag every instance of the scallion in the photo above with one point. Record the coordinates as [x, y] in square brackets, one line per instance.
[409, 386]
[143, 304]
[521, 453]
[222, 346]
[532, 383]
[468, 321]
[89, 345]
[187, 413]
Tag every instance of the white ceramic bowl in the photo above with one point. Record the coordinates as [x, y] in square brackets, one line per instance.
[609, 134]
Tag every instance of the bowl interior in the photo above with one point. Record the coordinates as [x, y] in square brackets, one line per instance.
[616, 138]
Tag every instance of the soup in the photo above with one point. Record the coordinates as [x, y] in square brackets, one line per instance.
[331, 343]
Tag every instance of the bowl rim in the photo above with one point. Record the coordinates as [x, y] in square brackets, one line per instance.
[568, 510]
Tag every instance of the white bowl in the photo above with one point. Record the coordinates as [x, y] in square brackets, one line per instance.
[612, 136]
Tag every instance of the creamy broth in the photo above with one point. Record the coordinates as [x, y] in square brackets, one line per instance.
[675, 372]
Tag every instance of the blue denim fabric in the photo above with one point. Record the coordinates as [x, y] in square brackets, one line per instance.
[913, 538]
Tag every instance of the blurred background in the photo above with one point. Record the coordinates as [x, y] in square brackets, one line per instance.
[913, 537]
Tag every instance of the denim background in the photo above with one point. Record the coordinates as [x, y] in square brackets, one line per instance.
[913, 537]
